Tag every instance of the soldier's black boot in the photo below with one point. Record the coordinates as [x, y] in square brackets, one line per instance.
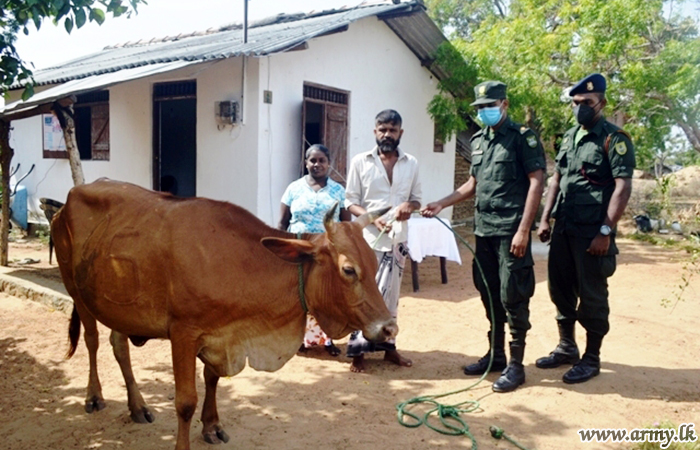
[589, 366]
[514, 375]
[499, 355]
[566, 351]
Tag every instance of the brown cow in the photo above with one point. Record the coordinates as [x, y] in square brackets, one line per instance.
[212, 278]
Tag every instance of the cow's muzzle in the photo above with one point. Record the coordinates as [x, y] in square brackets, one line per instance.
[381, 331]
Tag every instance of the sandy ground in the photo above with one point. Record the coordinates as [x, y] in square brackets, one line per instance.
[650, 373]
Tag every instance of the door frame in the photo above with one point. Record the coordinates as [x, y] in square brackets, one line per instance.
[169, 90]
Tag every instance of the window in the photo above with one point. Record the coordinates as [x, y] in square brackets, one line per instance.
[325, 121]
[91, 116]
[438, 145]
[92, 125]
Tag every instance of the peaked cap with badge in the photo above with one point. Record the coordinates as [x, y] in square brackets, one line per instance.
[592, 83]
[489, 92]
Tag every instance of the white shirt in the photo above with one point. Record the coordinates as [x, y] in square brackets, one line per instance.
[368, 186]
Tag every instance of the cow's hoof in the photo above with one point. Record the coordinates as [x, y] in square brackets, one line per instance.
[143, 415]
[216, 436]
[94, 404]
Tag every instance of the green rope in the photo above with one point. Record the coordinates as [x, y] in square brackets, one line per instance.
[498, 433]
[302, 296]
[450, 422]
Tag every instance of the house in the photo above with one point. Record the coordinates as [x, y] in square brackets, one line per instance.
[213, 115]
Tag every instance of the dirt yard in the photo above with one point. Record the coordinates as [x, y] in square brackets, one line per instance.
[650, 373]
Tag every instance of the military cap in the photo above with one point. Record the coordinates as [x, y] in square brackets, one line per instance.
[592, 83]
[489, 92]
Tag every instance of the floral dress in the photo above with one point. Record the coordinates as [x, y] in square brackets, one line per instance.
[308, 208]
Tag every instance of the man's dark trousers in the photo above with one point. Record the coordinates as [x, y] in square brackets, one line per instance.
[511, 281]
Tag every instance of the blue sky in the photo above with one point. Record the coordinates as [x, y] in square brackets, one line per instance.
[160, 18]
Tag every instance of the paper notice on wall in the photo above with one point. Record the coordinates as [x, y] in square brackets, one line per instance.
[53, 133]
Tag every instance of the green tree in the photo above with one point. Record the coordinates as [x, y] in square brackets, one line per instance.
[17, 15]
[650, 56]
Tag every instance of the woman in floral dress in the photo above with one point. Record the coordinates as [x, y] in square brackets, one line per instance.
[304, 206]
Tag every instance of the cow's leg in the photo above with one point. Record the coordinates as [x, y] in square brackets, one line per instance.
[139, 410]
[212, 431]
[94, 400]
[184, 366]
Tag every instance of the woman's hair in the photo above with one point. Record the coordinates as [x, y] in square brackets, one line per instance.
[320, 148]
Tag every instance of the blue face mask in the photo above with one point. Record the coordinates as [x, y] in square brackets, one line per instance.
[490, 116]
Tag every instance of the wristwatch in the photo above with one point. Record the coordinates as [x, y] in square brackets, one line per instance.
[605, 230]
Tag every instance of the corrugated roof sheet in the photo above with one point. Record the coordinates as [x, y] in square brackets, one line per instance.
[277, 34]
[88, 84]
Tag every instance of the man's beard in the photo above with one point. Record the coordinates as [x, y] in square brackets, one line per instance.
[388, 145]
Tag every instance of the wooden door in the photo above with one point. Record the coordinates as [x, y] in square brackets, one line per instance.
[336, 139]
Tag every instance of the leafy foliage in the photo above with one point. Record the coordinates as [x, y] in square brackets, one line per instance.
[650, 57]
[17, 15]
[450, 109]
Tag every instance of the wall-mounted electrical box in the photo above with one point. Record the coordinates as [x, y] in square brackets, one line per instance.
[226, 112]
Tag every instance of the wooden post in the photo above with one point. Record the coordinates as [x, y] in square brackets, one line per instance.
[414, 275]
[6, 154]
[66, 119]
[443, 269]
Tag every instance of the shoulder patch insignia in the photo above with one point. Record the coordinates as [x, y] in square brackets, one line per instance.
[531, 141]
[621, 148]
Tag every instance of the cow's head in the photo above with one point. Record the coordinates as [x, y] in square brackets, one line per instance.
[341, 292]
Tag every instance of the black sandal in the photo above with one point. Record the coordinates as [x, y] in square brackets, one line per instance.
[332, 350]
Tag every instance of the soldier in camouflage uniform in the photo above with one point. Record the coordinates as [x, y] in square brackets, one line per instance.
[587, 196]
[507, 180]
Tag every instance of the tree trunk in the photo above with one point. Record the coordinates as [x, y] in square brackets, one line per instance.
[530, 118]
[66, 119]
[692, 133]
[618, 118]
[6, 154]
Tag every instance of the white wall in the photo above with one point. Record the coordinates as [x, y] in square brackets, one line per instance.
[227, 164]
[380, 72]
[226, 160]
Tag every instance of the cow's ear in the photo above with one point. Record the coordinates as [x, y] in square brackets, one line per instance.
[329, 221]
[292, 250]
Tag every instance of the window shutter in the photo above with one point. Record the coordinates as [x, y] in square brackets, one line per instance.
[100, 131]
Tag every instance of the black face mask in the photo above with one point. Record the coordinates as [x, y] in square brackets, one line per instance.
[584, 114]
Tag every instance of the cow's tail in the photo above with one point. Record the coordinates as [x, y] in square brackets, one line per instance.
[73, 332]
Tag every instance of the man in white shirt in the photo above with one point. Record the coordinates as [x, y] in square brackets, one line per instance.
[384, 176]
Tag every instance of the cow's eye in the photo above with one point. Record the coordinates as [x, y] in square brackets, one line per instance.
[349, 271]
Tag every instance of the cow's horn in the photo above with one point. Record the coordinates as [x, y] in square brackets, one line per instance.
[369, 217]
[328, 220]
